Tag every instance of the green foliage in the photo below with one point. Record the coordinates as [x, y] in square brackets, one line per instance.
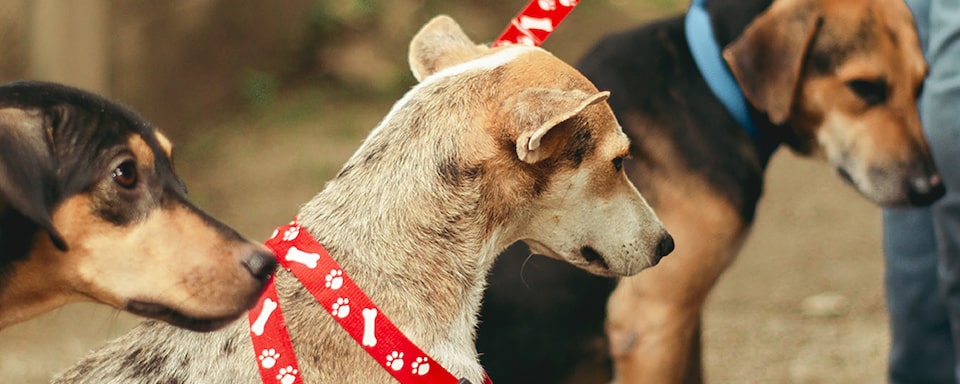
[259, 88]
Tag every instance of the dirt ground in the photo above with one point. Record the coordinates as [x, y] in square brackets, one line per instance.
[815, 241]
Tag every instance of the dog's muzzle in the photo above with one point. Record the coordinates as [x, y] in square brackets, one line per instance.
[664, 247]
[593, 257]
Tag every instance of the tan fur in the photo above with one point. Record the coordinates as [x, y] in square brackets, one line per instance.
[418, 214]
[165, 144]
[653, 319]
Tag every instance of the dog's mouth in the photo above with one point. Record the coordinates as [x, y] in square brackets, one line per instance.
[845, 176]
[176, 318]
[594, 258]
[916, 191]
[589, 259]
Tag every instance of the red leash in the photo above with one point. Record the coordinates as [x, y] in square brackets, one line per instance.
[535, 22]
[301, 254]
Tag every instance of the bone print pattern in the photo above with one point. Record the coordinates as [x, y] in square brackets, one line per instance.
[265, 319]
[333, 288]
[308, 259]
[535, 23]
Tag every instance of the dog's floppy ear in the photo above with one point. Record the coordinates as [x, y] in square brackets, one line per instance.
[535, 111]
[27, 168]
[768, 57]
[440, 44]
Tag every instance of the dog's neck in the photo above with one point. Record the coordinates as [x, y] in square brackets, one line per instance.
[727, 21]
[407, 222]
[22, 243]
[16, 240]
[730, 18]
[16, 232]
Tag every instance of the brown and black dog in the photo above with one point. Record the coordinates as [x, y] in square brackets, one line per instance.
[833, 79]
[90, 209]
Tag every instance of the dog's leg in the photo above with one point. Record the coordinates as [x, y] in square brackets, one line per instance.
[653, 318]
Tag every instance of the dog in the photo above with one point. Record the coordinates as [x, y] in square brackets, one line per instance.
[91, 209]
[494, 145]
[830, 79]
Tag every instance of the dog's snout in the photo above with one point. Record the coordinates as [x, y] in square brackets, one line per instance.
[665, 246]
[923, 191]
[260, 264]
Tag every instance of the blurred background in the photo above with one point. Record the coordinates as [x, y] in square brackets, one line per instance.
[264, 100]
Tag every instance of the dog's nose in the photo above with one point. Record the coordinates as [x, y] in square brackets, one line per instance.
[666, 246]
[925, 190]
[260, 264]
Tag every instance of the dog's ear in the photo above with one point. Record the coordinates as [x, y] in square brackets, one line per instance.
[535, 111]
[768, 57]
[440, 44]
[28, 168]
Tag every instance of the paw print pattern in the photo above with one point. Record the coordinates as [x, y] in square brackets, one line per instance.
[287, 375]
[420, 366]
[268, 358]
[334, 279]
[291, 233]
[395, 361]
[341, 308]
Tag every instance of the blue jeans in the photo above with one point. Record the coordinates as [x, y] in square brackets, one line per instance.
[922, 245]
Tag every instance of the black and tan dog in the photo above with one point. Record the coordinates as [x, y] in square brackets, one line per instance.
[833, 79]
[90, 209]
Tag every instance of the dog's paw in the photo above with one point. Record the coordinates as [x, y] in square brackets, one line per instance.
[268, 358]
[334, 279]
[287, 375]
[395, 361]
[341, 308]
[420, 366]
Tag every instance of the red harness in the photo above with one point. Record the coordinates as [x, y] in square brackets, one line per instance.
[298, 252]
[301, 254]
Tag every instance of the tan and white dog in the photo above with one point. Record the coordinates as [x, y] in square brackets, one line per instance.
[493, 146]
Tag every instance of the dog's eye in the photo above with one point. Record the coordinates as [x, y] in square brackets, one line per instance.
[125, 174]
[618, 163]
[872, 92]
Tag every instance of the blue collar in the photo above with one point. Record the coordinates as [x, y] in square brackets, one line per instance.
[706, 53]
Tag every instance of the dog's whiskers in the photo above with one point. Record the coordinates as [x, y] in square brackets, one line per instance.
[524, 267]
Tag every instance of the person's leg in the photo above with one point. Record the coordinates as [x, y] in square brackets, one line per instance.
[921, 349]
[940, 113]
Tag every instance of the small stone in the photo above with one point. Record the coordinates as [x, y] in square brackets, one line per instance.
[826, 304]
